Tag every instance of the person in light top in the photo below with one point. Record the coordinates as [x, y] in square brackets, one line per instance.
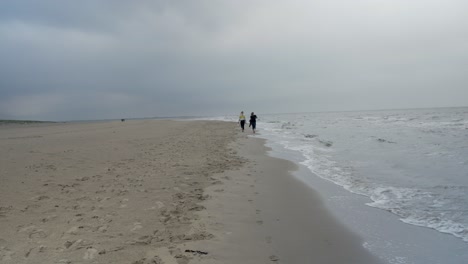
[242, 120]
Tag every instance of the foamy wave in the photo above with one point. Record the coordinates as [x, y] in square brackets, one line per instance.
[405, 202]
[441, 225]
[288, 125]
[328, 149]
[219, 118]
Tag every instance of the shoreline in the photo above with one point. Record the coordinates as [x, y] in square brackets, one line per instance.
[384, 234]
[159, 191]
[263, 207]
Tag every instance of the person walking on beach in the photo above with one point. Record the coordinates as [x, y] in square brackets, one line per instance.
[242, 120]
[253, 121]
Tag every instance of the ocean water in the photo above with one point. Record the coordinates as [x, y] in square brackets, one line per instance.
[412, 163]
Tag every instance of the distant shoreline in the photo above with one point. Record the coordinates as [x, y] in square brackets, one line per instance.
[13, 121]
[2, 122]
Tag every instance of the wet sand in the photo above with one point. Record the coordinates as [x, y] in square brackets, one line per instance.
[262, 214]
[152, 191]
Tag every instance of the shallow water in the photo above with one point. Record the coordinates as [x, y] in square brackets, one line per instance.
[413, 163]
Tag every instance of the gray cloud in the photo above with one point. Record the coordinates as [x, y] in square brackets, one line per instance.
[65, 60]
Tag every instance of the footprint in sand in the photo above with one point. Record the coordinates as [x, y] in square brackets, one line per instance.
[102, 228]
[260, 222]
[85, 178]
[48, 218]
[123, 203]
[35, 250]
[40, 198]
[274, 258]
[136, 226]
[143, 240]
[33, 232]
[37, 233]
[160, 204]
[73, 230]
[153, 260]
[23, 229]
[97, 177]
[5, 253]
[4, 210]
[90, 254]
[77, 244]
[69, 243]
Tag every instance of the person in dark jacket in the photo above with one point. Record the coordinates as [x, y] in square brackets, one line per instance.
[253, 121]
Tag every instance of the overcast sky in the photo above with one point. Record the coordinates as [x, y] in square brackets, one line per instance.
[90, 59]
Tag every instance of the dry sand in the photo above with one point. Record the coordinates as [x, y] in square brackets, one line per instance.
[158, 192]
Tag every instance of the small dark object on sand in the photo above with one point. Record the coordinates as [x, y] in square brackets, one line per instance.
[197, 251]
[123, 120]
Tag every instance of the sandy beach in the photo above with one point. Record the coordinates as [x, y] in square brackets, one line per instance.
[157, 191]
